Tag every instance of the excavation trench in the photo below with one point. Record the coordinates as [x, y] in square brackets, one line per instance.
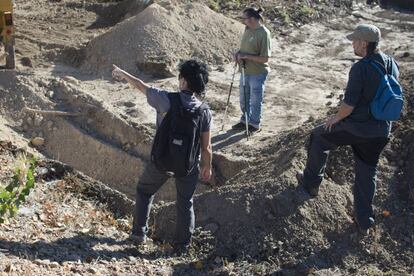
[87, 136]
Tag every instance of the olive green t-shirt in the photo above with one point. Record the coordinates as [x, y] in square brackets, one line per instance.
[256, 42]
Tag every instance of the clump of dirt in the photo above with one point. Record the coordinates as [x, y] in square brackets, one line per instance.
[157, 38]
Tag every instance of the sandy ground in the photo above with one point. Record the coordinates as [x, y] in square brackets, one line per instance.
[309, 73]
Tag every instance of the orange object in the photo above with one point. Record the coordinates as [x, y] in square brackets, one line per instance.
[386, 213]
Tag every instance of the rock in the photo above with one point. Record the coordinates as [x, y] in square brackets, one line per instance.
[54, 264]
[129, 104]
[41, 262]
[49, 125]
[38, 141]
[89, 259]
[50, 94]
[38, 120]
[93, 270]
[41, 170]
[26, 61]
[71, 80]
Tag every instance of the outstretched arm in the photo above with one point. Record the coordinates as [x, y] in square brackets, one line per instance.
[119, 74]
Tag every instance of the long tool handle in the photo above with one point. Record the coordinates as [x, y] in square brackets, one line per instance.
[228, 98]
[246, 104]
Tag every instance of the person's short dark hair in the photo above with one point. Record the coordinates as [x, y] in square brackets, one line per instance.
[196, 74]
[372, 48]
[253, 12]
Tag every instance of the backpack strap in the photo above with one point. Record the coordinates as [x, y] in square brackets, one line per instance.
[381, 69]
[175, 101]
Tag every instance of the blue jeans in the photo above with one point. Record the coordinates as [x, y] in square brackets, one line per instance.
[251, 98]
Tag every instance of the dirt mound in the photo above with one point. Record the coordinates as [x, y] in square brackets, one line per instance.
[157, 38]
[278, 223]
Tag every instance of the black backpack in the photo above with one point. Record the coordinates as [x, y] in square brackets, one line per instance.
[176, 147]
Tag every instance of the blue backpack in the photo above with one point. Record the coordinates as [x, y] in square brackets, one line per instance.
[388, 101]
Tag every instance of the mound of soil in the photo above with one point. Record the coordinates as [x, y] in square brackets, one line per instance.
[157, 38]
[277, 223]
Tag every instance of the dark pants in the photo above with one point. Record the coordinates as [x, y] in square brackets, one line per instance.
[366, 153]
[149, 183]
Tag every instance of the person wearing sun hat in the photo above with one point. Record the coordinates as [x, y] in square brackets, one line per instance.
[354, 125]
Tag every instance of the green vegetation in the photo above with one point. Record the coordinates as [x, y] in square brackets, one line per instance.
[307, 11]
[223, 5]
[15, 193]
[214, 5]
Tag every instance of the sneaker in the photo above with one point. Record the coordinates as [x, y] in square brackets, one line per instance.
[239, 126]
[313, 192]
[253, 129]
[138, 239]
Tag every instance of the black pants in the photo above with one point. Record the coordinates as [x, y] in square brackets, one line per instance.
[149, 183]
[366, 154]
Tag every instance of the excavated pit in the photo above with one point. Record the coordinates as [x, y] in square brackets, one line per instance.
[87, 136]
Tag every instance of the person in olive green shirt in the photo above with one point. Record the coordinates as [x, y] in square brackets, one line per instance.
[254, 54]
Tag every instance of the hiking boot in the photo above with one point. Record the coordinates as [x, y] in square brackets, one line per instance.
[239, 126]
[253, 129]
[138, 239]
[313, 192]
[363, 231]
